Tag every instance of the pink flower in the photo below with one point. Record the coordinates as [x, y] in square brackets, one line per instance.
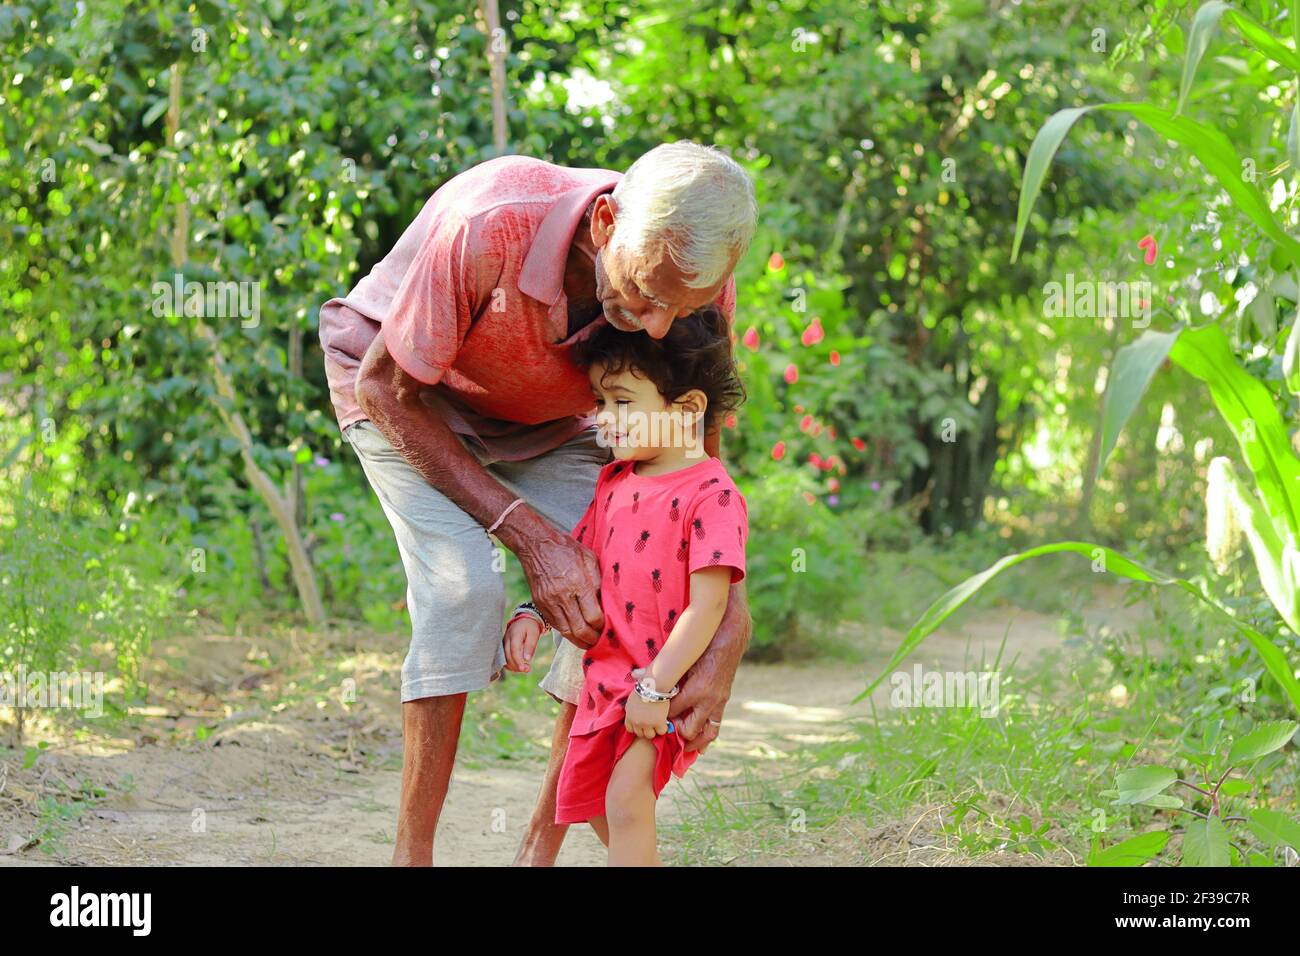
[806, 423]
[833, 484]
[809, 497]
[1148, 242]
[791, 373]
[751, 339]
[814, 333]
[778, 451]
[776, 262]
[730, 420]
[815, 460]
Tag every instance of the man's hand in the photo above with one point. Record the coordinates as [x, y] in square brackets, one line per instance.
[698, 707]
[562, 574]
[564, 580]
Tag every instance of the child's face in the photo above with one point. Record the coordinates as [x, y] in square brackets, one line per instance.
[637, 422]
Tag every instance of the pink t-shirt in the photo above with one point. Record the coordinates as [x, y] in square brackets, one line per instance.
[649, 533]
[472, 303]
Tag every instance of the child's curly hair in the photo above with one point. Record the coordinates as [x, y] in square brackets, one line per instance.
[696, 353]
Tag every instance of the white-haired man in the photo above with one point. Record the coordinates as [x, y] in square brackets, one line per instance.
[450, 375]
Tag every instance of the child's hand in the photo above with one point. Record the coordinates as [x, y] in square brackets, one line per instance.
[520, 643]
[644, 718]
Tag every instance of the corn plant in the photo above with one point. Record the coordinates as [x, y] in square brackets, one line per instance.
[1270, 515]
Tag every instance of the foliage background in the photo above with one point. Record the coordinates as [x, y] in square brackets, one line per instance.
[940, 403]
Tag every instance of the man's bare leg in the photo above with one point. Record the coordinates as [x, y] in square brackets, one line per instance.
[430, 732]
[544, 837]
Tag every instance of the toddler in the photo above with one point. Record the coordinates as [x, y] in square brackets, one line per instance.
[668, 528]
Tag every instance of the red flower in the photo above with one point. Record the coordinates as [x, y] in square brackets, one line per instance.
[806, 423]
[778, 451]
[859, 444]
[791, 373]
[776, 262]
[751, 339]
[730, 420]
[1148, 242]
[814, 333]
[835, 357]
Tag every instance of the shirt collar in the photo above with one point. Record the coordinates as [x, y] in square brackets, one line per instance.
[542, 274]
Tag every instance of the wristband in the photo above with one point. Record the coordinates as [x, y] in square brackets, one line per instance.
[528, 609]
[509, 508]
[653, 696]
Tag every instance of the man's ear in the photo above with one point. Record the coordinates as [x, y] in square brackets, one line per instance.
[602, 220]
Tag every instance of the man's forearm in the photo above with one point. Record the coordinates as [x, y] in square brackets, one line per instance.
[721, 658]
[390, 398]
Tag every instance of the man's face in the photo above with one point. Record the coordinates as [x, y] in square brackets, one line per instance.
[641, 290]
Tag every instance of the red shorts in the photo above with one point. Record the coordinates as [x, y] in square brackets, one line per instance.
[589, 763]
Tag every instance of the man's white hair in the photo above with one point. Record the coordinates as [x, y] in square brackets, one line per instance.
[696, 200]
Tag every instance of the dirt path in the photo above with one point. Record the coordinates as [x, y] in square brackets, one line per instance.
[287, 777]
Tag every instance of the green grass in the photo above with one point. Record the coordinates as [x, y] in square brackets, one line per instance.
[1030, 781]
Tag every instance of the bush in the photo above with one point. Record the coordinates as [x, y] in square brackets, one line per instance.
[79, 591]
[804, 562]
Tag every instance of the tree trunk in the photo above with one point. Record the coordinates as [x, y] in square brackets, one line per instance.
[497, 60]
[282, 510]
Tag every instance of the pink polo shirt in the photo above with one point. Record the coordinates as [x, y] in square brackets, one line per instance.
[472, 303]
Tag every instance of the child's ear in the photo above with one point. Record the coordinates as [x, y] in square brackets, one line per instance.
[694, 403]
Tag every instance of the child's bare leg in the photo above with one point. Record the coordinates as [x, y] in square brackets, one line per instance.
[601, 826]
[630, 808]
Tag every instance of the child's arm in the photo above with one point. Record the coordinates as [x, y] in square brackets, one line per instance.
[710, 588]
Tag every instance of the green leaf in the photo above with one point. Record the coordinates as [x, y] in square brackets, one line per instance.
[1206, 143]
[1235, 788]
[1291, 356]
[1204, 24]
[1274, 828]
[1163, 801]
[1142, 783]
[1206, 21]
[1205, 843]
[1261, 741]
[1131, 852]
[151, 115]
[1247, 406]
[1274, 659]
[1041, 151]
[1130, 374]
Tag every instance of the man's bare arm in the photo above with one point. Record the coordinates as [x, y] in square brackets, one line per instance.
[706, 688]
[562, 574]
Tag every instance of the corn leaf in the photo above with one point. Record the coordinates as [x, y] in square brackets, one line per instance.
[1106, 559]
[1206, 143]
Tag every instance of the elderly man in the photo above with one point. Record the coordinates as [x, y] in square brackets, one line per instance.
[450, 374]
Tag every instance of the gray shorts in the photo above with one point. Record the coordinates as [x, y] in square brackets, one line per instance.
[455, 591]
